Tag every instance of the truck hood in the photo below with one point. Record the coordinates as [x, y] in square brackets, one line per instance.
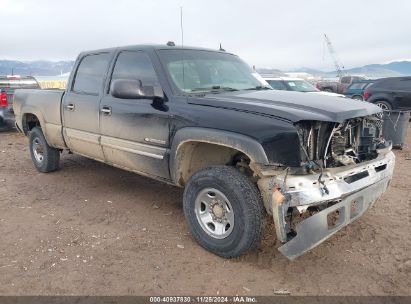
[288, 105]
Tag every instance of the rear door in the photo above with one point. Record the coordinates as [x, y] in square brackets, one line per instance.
[135, 132]
[80, 106]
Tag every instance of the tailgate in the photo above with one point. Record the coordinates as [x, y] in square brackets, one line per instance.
[10, 96]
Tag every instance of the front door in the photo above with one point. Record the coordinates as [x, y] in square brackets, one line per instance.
[80, 106]
[135, 132]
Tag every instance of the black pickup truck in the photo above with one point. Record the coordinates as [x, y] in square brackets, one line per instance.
[203, 120]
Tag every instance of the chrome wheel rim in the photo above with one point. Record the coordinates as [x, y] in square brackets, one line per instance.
[38, 150]
[214, 213]
[383, 106]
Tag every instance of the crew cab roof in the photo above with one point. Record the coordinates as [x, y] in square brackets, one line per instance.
[152, 47]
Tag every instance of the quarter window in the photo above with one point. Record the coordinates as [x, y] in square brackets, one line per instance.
[91, 74]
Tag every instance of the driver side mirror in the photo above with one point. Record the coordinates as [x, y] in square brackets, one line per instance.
[131, 89]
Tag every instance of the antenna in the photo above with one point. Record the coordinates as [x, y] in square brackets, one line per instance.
[221, 49]
[181, 27]
[182, 44]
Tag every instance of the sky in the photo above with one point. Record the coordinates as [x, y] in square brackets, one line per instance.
[271, 33]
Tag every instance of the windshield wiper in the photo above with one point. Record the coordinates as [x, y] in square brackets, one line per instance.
[213, 89]
[259, 88]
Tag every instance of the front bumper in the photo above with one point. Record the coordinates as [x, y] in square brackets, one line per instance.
[351, 190]
[315, 229]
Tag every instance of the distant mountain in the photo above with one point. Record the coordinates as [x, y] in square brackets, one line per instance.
[396, 68]
[50, 68]
[35, 68]
[308, 70]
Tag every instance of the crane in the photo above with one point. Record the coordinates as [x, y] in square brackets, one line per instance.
[333, 55]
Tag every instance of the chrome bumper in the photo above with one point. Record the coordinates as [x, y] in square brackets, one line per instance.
[362, 184]
[315, 229]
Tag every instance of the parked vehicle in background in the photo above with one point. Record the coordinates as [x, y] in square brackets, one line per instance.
[338, 86]
[296, 85]
[203, 120]
[8, 84]
[393, 93]
[356, 89]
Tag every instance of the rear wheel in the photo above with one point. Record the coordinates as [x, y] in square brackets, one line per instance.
[44, 157]
[358, 97]
[385, 105]
[223, 210]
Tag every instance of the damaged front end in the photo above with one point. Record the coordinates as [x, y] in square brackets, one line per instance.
[345, 168]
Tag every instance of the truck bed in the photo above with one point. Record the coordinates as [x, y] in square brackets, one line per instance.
[46, 105]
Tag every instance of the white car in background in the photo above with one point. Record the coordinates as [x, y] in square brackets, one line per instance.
[297, 85]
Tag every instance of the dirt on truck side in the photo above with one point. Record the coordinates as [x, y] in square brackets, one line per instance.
[94, 229]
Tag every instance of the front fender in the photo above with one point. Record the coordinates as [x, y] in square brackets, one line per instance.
[245, 144]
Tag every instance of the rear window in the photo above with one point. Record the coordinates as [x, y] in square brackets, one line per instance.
[91, 73]
[346, 79]
[23, 83]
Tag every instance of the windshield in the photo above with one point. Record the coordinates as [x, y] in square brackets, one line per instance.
[208, 71]
[300, 86]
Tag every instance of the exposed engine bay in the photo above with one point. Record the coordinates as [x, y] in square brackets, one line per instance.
[327, 144]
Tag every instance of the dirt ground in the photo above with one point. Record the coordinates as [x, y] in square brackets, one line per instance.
[91, 229]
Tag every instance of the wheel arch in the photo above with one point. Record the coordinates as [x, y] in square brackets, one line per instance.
[29, 120]
[357, 95]
[195, 148]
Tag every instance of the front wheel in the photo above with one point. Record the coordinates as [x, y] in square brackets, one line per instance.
[44, 157]
[223, 210]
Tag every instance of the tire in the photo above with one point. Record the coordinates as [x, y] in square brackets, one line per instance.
[328, 90]
[44, 157]
[229, 190]
[358, 97]
[385, 105]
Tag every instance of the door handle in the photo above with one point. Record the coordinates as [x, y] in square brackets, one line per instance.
[106, 110]
[70, 107]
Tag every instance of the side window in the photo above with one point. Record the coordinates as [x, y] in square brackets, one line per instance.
[91, 73]
[277, 84]
[404, 85]
[135, 65]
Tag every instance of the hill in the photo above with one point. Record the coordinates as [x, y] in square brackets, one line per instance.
[392, 69]
[35, 68]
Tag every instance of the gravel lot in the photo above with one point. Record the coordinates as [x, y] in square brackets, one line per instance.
[91, 229]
